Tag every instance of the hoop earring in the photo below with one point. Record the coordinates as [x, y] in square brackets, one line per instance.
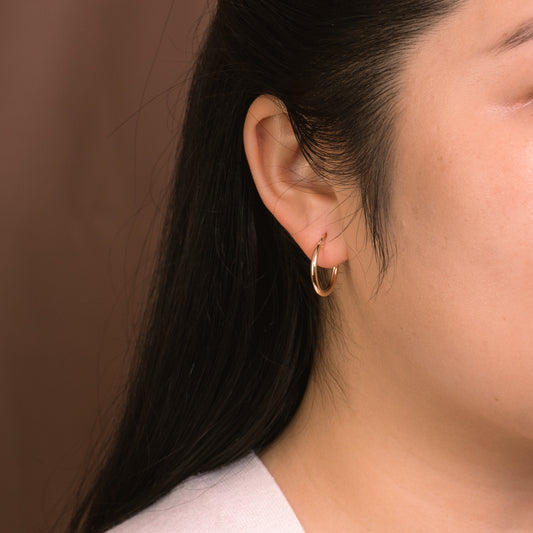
[314, 271]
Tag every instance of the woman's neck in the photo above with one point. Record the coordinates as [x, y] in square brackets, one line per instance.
[374, 452]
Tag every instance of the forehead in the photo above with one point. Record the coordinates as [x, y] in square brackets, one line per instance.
[478, 41]
[487, 26]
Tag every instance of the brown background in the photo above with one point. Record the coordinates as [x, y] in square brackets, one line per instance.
[80, 202]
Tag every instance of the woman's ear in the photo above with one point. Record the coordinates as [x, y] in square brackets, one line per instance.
[301, 201]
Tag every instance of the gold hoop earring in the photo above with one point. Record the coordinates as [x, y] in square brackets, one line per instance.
[314, 272]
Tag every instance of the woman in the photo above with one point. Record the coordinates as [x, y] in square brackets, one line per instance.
[391, 139]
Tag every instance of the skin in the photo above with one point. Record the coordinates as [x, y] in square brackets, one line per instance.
[420, 417]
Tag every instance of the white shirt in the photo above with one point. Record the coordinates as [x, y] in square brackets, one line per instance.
[240, 498]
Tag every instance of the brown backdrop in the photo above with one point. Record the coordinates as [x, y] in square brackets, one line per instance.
[79, 191]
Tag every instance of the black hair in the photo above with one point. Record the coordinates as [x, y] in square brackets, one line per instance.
[232, 326]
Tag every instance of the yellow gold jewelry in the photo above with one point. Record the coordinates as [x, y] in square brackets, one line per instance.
[314, 271]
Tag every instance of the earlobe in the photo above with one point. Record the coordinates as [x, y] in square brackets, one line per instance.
[303, 203]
